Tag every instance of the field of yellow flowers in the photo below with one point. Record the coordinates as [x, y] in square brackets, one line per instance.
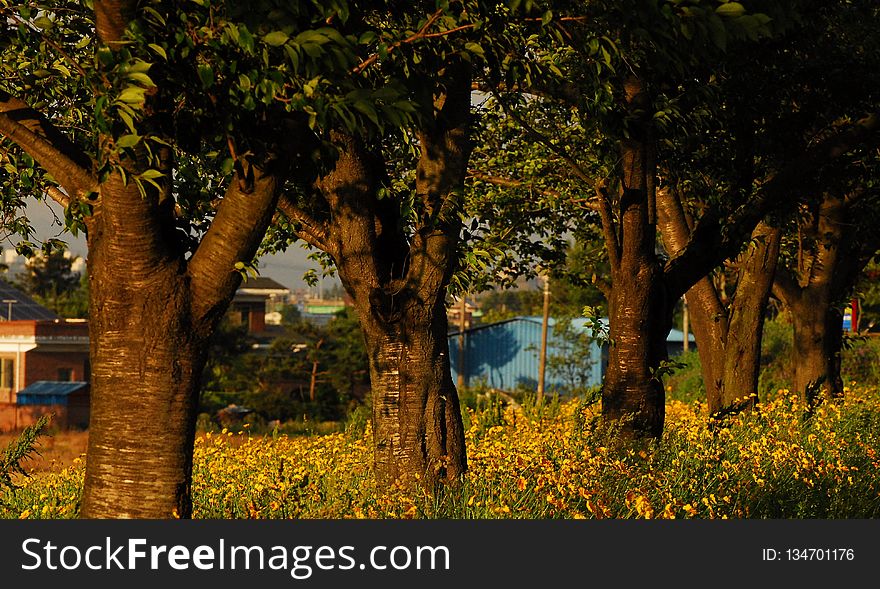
[773, 463]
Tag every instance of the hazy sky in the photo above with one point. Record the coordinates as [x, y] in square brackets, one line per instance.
[286, 268]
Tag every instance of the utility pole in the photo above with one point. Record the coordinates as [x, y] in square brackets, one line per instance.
[685, 326]
[542, 360]
[462, 325]
[9, 302]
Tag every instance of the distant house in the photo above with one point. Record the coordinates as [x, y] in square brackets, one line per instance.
[37, 345]
[504, 355]
[254, 299]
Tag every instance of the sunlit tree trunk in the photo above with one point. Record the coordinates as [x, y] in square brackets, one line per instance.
[728, 336]
[633, 398]
[397, 277]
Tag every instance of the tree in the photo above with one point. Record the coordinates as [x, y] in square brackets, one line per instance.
[388, 217]
[167, 133]
[817, 282]
[50, 280]
[657, 75]
[806, 83]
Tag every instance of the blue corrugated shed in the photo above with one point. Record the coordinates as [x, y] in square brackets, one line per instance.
[48, 392]
[505, 354]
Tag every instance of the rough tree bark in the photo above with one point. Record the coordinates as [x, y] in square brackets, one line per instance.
[638, 309]
[152, 315]
[152, 310]
[832, 256]
[398, 283]
[728, 336]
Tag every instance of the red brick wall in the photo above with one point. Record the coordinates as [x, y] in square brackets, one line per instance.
[17, 417]
[45, 328]
[45, 365]
[22, 328]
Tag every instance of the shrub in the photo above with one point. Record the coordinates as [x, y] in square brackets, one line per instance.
[777, 358]
[685, 383]
[860, 360]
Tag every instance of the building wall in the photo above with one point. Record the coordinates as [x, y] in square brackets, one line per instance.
[40, 365]
[16, 417]
[251, 313]
[73, 329]
[506, 355]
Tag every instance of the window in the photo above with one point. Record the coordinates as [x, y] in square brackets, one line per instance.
[7, 373]
[65, 374]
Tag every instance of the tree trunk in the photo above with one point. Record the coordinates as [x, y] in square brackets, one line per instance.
[728, 337]
[416, 416]
[397, 273]
[818, 335]
[152, 314]
[146, 365]
[639, 313]
[745, 324]
[708, 318]
[632, 394]
[832, 257]
[729, 340]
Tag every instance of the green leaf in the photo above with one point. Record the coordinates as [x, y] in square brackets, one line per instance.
[151, 174]
[127, 141]
[206, 75]
[226, 165]
[731, 9]
[43, 22]
[475, 49]
[160, 51]
[127, 119]
[276, 38]
[142, 78]
[367, 109]
[132, 95]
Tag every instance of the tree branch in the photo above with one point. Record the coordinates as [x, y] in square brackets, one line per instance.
[785, 286]
[42, 141]
[543, 140]
[111, 20]
[612, 244]
[590, 204]
[58, 196]
[235, 234]
[311, 231]
[709, 245]
[422, 33]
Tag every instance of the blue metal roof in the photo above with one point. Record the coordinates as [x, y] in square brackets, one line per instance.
[48, 392]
